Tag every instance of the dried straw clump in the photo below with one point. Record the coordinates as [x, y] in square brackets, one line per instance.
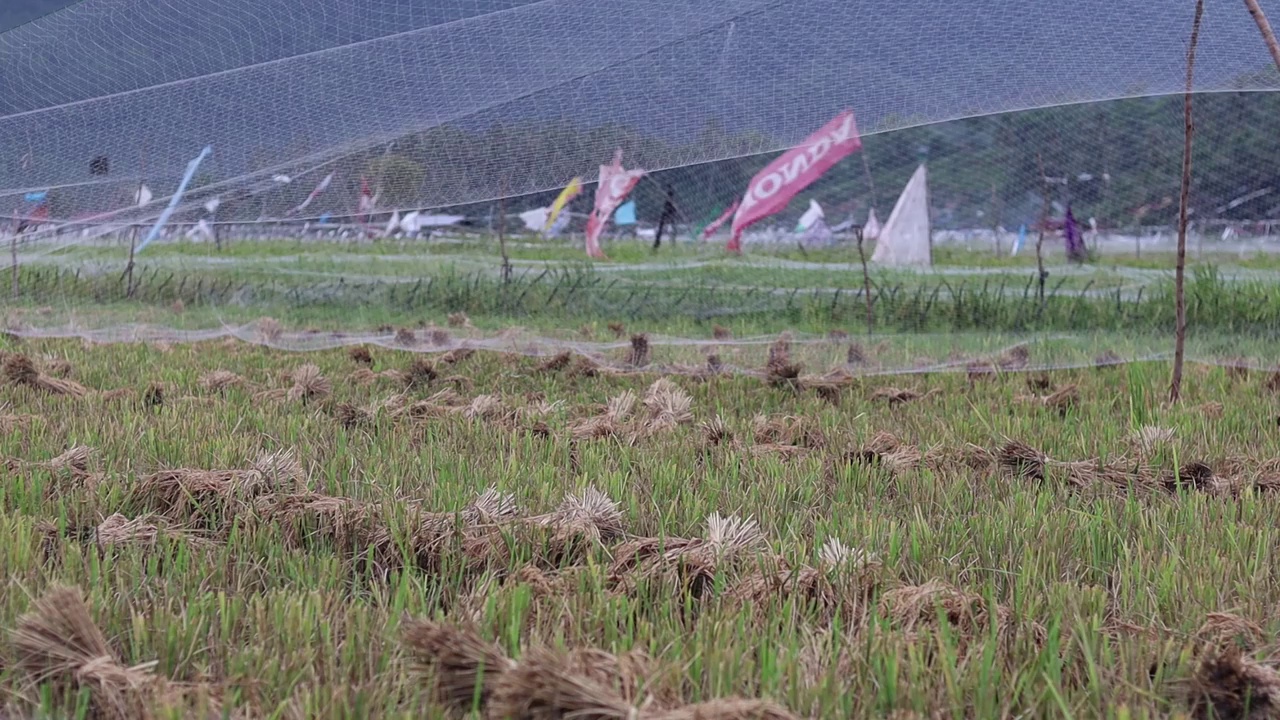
[360, 355]
[420, 373]
[829, 385]
[689, 564]
[900, 396]
[1193, 475]
[1095, 473]
[1015, 358]
[720, 332]
[1229, 686]
[668, 407]
[888, 451]
[915, 606]
[146, 530]
[618, 329]
[405, 337]
[1221, 630]
[439, 336]
[1273, 382]
[363, 377]
[716, 432]
[489, 408]
[544, 686]
[219, 381]
[440, 404]
[1150, 438]
[459, 320]
[844, 577]
[608, 423]
[1060, 400]
[1039, 383]
[1022, 460]
[153, 396]
[639, 353]
[465, 669]
[75, 461]
[456, 356]
[18, 369]
[58, 367]
[588, 518]
[788, 430]
[10, 422]
[58, 643]
[779, 371]
[855, 355]
[269, 329]
[946, 459]
[351, 416]
[347, 523]
[1211, 409]
[184, 492]
[309, 384]
[1107, 359]
[556, 362]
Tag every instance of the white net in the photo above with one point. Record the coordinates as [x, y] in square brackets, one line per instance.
[368, 161]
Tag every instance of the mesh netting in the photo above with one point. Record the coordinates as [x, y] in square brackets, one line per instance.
[330, 125]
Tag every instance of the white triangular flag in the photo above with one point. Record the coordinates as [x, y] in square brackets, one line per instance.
[144, 195]
[871, 231]
[392, 225]
[907, 238]
[410, 223]
[810, 216]
[535, 219]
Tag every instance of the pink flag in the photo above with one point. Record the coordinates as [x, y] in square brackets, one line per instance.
[773, 187]
[314, 194]
[711, 228]
[615, 184]
[365, 206]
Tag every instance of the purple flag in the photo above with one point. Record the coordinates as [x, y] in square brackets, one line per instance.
[1075, 241]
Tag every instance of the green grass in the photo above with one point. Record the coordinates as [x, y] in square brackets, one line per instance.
[284, 621]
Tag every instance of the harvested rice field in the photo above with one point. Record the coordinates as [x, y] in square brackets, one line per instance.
[226, 530]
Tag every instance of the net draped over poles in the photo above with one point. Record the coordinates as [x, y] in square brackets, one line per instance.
[981, 123]
[491, 97]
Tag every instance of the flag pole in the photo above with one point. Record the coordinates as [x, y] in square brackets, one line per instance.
[502, 233]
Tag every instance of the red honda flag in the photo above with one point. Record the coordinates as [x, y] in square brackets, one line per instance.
[714, 225]
[773, 187]
[615, 185]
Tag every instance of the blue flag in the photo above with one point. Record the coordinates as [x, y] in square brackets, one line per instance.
[36, 197]
[1022, 237]
[626, 214]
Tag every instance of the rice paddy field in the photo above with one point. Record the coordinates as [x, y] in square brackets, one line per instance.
[414, 523]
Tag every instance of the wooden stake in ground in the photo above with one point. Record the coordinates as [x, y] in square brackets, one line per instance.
[1044, 222]
[1180, 329]
[128, 269]
[13, 258]
[502, 234]
[1268, 37]
[866, 281]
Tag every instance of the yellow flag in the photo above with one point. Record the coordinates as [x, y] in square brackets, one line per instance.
[569, 193]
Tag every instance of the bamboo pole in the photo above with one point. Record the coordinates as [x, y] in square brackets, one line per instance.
[1179, 278]
[1264, 26]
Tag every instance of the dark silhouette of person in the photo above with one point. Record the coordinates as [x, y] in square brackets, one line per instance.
[668, 216]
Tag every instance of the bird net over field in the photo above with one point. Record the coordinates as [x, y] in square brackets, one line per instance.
[176, 169]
